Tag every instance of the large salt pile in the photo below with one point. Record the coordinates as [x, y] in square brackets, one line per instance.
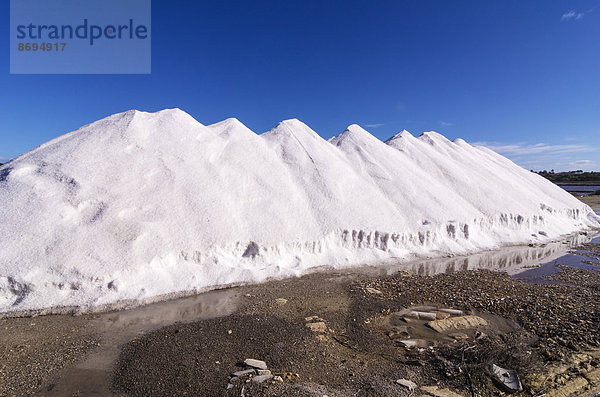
[141, 205]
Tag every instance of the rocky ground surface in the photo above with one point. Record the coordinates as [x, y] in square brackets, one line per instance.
[33, 350]
[327, 335]
[340, 334]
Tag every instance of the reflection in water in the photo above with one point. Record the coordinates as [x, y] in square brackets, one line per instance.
[511, 260]
[582, 259]
[199, 307]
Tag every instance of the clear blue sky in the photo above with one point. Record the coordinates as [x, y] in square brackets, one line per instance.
[521, 76]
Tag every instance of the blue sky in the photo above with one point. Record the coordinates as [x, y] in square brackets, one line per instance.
[522, 77]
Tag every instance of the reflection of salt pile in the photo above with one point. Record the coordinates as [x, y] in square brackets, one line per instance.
[139, 205]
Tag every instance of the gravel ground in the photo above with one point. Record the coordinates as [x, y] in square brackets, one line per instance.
[531, 327]
[35, 349]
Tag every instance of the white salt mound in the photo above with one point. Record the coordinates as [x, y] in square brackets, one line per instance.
[141, 206]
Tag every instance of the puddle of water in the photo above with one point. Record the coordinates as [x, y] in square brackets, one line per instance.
[92, 376]
[576, 259]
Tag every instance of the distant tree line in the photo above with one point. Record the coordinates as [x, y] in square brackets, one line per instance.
[578, 176]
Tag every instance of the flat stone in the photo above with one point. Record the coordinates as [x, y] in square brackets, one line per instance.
[261, 378]
[457, 323]
[414, 342]
[452, 312]
[264, 372]
[313, 318]
[407, 383]
[373, 291]
[230, 386]
[258, 364]
[277, 379]
[281, 301]
[317, 327]
[458, 335]
[420, 315]
[244, 372]
[508, 379]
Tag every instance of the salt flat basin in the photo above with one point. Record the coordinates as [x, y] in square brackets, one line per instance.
[581, 189]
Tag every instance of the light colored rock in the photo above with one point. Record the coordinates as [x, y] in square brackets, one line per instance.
[281, 301]
[407, 383]
[420, 315]
[313, 318]
[508, 379]
[261, 378]
[277, 379]
[230, 386]
[244, 372]
[452, 312]
[593, 376]
[414, 342]
[574, 387]
[458, 335]
[373, 291]
[457, 323]
[317, 327]
[437, 392]
[264, 372]
[258, 364]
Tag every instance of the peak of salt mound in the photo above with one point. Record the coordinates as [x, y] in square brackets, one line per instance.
[461, 142]
[432, 137]
[355, 134]
[404, 134]
[291, 128]
[231, 127]
[169, 116]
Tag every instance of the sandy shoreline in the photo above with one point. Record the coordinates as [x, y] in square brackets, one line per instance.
[355, 352]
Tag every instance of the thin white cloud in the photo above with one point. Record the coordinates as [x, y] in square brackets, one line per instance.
[374, 125]
[519, 149]
[3, 159]
[544, 156]
[573, 15]
[582, 163]
[446, 124]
